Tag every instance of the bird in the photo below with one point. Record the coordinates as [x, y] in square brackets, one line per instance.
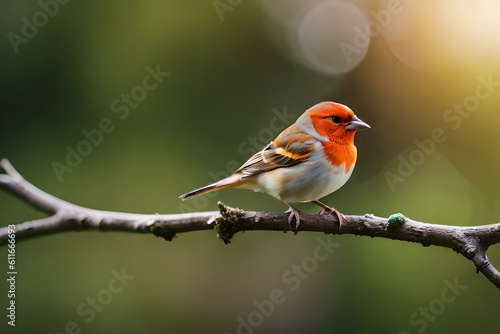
[310, 159]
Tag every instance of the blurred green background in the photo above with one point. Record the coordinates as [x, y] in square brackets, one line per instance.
[232, 65]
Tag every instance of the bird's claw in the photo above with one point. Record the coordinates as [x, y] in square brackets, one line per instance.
[294, 213]
[330, 210]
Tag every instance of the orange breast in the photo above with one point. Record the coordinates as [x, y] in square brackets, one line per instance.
[338, 154]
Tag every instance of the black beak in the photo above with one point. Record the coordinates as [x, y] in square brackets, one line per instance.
[357, 124]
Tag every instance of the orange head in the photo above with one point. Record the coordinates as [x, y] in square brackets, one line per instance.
[335, 121]
[334, 125]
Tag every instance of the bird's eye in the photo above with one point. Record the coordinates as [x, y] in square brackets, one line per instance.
[335, 119]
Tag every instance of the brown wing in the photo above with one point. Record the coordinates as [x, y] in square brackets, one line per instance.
[291, 147]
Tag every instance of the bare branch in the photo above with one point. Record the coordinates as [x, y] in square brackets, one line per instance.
[472, 242]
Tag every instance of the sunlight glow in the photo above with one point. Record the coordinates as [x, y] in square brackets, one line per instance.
[444, 33]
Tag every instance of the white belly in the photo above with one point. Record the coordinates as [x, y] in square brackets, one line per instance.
[305, 182]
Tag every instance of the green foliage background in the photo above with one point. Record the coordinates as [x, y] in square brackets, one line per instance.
[226, 78]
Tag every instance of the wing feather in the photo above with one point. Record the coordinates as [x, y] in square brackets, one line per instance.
[291, 147]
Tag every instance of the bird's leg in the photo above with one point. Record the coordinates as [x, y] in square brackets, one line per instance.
[294, 213]
[327, 209]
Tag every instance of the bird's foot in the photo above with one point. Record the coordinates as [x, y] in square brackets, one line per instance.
[329, 210]
[294, 213]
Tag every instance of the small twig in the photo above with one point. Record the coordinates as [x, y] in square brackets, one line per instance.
[472, 242]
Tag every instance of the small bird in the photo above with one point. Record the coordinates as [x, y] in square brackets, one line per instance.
[310, 159]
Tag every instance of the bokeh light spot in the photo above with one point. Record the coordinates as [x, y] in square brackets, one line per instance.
[333, 37]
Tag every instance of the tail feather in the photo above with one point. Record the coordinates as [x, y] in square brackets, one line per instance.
[230, 181]
[200, 191]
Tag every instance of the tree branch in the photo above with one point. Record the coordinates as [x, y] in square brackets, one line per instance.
[472, 242]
